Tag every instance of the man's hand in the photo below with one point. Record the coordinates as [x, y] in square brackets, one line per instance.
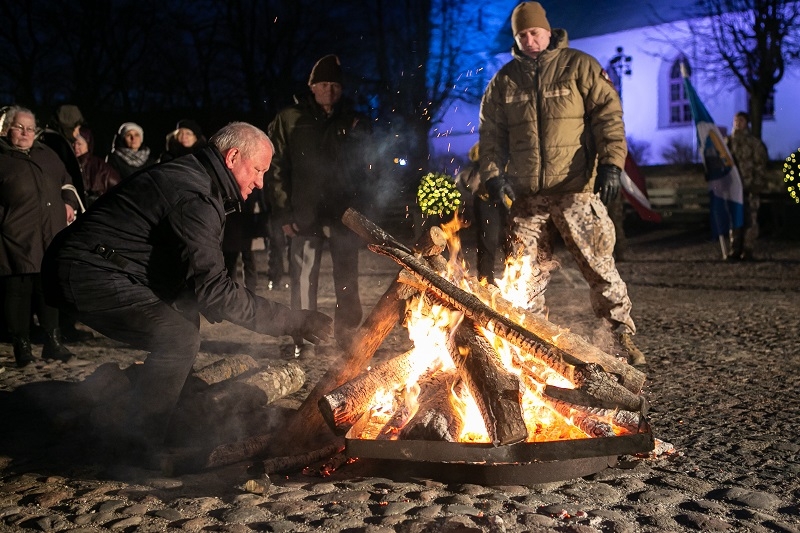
[312, 326]
[70, 214]
[290, 230]
[607, 182]
[500, 191]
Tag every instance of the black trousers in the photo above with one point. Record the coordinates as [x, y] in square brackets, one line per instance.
[131, 313]
[490, 224]
[23, 294]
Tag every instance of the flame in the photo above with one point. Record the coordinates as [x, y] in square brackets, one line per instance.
[430, 326]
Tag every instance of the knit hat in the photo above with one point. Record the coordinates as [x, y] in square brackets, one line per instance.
[528, 15]
[326, 69]
[190, 124]
[127, 126]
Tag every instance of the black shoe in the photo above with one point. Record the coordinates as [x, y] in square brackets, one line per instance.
[74, 334]
[53, 349]
[22, 352]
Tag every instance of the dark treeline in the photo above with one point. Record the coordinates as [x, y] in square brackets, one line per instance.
[157, 61]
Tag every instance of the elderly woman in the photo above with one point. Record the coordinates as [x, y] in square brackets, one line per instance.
[33, 208]
[129, 154]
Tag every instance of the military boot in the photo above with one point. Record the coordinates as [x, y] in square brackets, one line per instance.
[53, 349]
[635, 355]
[22, 351]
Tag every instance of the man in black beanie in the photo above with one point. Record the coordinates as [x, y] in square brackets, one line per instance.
[320, 169]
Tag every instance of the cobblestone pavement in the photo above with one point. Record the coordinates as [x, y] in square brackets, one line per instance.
[723, 379]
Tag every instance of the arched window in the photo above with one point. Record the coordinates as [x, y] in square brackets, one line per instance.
[680, 112]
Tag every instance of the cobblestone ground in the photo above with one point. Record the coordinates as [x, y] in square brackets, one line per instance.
[723, 378]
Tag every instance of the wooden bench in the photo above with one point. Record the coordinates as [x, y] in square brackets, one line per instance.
[680, 205]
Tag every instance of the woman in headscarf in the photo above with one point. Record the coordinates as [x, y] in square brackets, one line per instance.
[129, 154]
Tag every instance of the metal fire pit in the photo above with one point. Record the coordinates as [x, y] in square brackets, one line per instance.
[522, 463]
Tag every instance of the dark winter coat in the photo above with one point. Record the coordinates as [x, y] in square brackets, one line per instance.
[164, 226]
[98, 176]
[547, 122]
[32, 206]
[321, 164]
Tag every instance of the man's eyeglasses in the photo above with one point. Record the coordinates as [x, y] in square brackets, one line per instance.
[24, 129]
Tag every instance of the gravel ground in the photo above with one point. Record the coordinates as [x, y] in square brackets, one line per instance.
[723, 375]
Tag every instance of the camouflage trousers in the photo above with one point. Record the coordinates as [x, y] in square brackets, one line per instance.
[743, 240]
[588, 232]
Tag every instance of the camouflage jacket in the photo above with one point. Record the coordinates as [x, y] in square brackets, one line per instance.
[750, 156]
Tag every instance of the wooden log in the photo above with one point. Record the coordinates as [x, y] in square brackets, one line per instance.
[307, 427]
[436, 417]
[234, 452]
[226, 368]
[630, 377]
[293, 463]
[277, 381]
[274, 381]
[586, 421]
[565, 364]
[496, 390]
[344, 405]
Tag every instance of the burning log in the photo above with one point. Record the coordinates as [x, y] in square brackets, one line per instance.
[631, 378]
[307, 425]
[344, 405]
[436, 418]
[496, 390]
[581, 418]
[569, 366]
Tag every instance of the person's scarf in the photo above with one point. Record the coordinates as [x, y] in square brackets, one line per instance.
[134, 158]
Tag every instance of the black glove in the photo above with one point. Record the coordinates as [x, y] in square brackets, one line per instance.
[312, 326]
[607, 182]
[500, 191]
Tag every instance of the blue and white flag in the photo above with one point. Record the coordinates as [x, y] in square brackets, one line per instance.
[724, 183]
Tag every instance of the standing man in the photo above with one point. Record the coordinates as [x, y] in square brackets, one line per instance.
[750, 156]
[553, 142]
[145, 261]
[319, 171]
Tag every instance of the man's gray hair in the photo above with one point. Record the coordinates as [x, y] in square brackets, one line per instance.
[242, 135]
[9, 115]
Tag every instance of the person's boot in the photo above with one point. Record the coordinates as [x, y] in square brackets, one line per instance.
[22, 351]
[635, 355]
[53, 349]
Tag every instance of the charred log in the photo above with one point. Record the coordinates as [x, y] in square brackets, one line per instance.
[307, 426]
[344, 405]
[436, 418]
[293, 463]
[630, 377]
[497, 392]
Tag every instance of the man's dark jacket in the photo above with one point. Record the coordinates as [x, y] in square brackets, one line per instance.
[165, 226]
[321, 164]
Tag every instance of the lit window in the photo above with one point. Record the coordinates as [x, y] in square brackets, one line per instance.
[680, 112]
